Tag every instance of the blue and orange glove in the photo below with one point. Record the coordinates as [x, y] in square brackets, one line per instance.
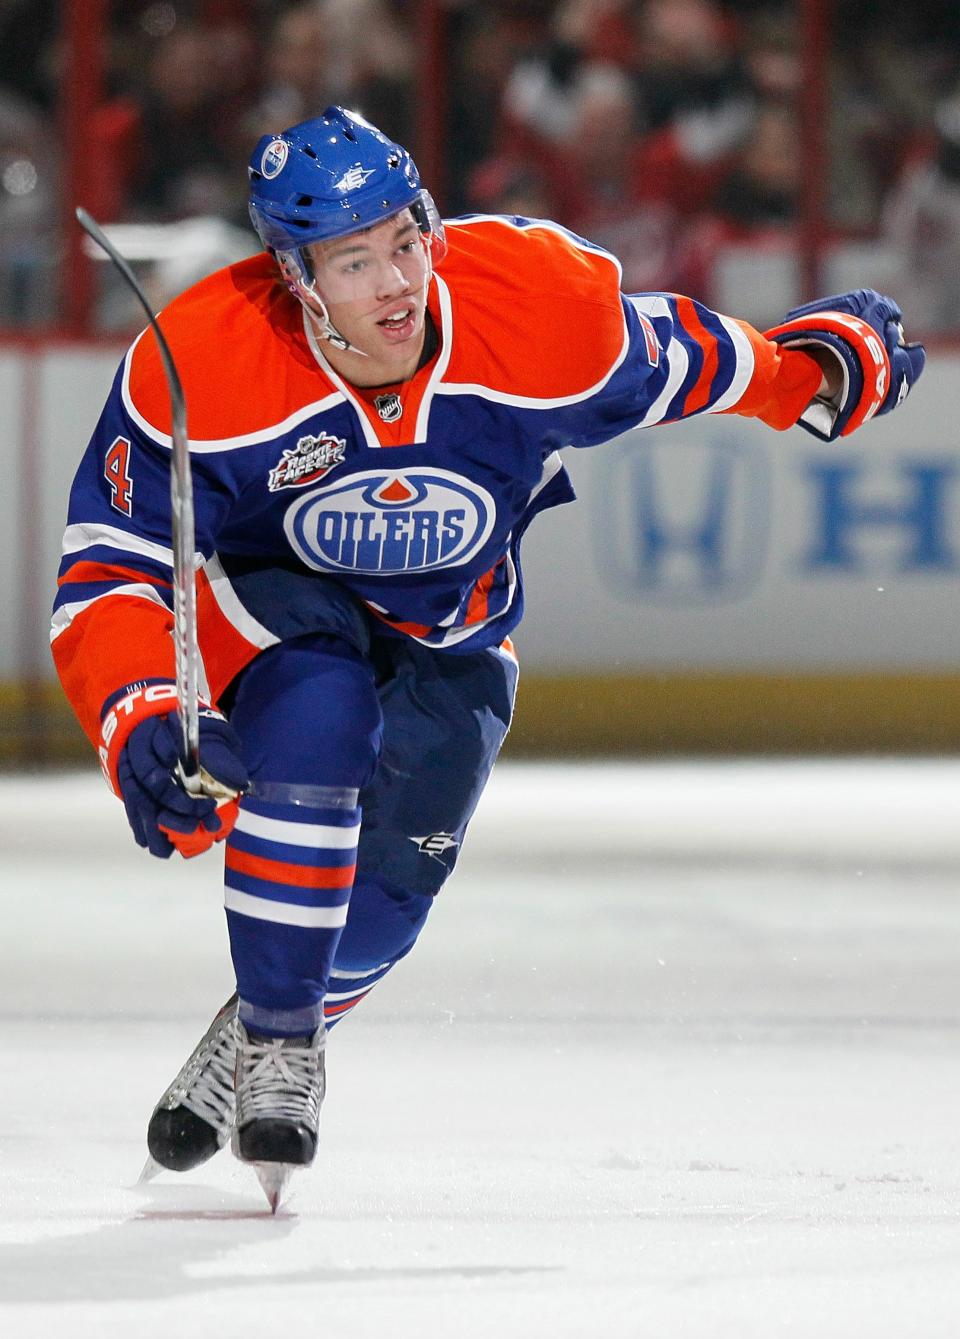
[862, 329]
[140, 753]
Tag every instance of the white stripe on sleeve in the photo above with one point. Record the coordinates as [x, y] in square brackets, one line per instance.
[89, 534]
[66, 613]
[678, 360]
[743, 371]
[232, 609]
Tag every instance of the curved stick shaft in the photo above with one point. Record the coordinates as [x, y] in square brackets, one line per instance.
[183, 533]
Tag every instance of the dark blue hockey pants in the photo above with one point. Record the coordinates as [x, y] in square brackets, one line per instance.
[366, 768]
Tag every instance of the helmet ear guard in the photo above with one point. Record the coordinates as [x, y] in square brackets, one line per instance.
[431, 226]
[292, 268]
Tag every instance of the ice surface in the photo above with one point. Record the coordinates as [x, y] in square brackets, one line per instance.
[677, 1056]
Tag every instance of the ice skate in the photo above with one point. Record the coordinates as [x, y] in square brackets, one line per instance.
[194, 1117]
[280, 1083]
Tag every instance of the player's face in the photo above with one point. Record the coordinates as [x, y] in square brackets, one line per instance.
[373, 285]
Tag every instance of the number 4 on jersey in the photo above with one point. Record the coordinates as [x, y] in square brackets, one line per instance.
[116, 468]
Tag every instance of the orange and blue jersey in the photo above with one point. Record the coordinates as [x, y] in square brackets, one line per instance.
[411, 500]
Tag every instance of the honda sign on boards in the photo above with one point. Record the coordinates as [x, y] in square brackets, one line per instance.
[717, 544]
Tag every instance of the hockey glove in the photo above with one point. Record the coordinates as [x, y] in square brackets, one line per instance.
[140, 754]
[862, 329]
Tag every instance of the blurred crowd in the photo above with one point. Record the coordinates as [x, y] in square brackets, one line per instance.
[666, 130]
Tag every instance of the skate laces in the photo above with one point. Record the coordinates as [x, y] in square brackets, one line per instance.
[280, 1078]
[205, 1083]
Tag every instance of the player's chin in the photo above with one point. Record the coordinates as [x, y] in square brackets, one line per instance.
[395, 347]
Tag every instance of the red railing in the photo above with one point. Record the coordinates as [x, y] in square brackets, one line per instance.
[84, 24]
[815, 18]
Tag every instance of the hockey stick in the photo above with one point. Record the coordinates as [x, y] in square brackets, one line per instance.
[186, 649]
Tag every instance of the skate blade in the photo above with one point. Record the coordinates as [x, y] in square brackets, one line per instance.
[273, 1178]
[151, 1170]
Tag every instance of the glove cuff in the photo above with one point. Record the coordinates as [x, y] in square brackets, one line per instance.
[124, 712]
[194, 843]
[863, 355]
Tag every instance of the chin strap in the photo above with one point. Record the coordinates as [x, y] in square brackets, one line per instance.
[321, 322]
[306, 294]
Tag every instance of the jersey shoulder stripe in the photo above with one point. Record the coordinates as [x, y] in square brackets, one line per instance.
[238, 341]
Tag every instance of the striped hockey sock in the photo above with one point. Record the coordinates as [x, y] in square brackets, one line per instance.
[289, 871]
[347, 989]
[383, 926]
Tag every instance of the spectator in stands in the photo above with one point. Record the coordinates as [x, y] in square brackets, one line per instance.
[353, 50]
[29, 205]
[610, 205]
[762, 189]
[594, 168]
[541, 93]
[184, 164]
[750, 222]
[689, 66]
[298, 68]
[922, 222]
[690, 99]
[508, 185]
[375, 59]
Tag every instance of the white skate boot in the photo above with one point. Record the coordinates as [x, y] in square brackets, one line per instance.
[194, 1117]
[280, 1083]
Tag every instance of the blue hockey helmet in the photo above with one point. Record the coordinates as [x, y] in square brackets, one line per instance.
[331, 176]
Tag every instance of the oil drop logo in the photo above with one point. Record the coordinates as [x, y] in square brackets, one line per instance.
[383, 521]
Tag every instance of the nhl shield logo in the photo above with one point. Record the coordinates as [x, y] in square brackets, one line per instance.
[388, 407]
[308, 461]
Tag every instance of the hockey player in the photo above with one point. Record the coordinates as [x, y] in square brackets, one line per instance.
[376, 404]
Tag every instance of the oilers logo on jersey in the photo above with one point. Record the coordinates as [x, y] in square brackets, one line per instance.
[380, 521]
[307, 462]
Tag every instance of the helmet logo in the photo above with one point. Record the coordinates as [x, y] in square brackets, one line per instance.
[353, 178]
[274, 158]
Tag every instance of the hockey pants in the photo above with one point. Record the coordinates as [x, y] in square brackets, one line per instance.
[366, 769]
